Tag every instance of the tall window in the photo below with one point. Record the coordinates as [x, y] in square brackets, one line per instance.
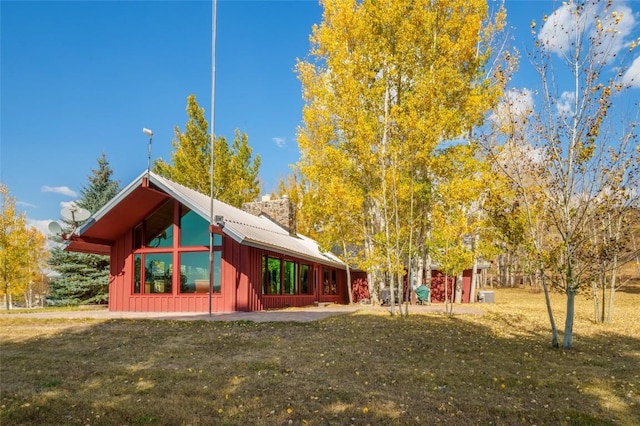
[194, 230]
[290, 277]
[285, 277]
[158, 229]
[155, 249]
[271, 275]
[329, 282]
[305, 285]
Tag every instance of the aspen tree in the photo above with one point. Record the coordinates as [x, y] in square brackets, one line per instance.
[385, 83]
[22, 250]
[581, 170]
[235, 169]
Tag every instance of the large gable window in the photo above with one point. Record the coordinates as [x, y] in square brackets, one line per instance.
[175, 239]
[158, 229]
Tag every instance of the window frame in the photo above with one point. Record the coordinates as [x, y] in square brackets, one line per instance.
[176, 250]
[298, 267]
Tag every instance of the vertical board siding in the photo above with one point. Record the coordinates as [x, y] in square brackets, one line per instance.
[241, 279]
[466, 285]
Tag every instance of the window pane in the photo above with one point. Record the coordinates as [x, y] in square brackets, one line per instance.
[194, 272]
[137, 267]
[158, 273]
[194, 230]
[290, 277]
[137, 237]
[273, 275]
[217, 271]
[328, 282]
[304, 279]
[265, 276]
[159, 227]
[217, 240]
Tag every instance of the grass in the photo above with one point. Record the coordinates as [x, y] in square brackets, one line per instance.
[72, 308]
[361, 368]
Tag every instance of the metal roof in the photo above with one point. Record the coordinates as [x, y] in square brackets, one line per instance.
[137, 200]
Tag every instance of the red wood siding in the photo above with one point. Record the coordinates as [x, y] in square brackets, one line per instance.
[466, 285]
[241, 279]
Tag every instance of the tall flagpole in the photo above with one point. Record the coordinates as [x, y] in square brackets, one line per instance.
[214, 11]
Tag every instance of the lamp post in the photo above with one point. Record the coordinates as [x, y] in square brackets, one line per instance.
[150, 134]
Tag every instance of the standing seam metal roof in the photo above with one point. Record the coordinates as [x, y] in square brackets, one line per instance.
[243, 227]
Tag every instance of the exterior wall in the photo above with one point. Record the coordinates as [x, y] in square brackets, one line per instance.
[122, 298]
[241, 278]
[466, 285]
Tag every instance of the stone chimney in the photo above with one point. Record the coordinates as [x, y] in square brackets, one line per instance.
[280, 211]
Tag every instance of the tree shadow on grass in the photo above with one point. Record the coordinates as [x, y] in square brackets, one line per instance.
[350, 369]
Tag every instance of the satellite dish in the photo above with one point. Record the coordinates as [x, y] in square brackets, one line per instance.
[55, 228]
[75, 214]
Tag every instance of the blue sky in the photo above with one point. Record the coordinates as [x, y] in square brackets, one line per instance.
[79, 78]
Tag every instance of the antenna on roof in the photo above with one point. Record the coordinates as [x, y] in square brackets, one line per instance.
[150, 134]
[55, 228]
[73, 214]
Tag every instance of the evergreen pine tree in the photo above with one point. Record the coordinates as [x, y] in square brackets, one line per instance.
[84, 278]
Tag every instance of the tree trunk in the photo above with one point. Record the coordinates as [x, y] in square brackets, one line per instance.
[614, 266]
[349, 289]
[385, 207]
[474, 281]
[446, 293]
[427, 273]
[612, 292]
[458, 288]
[596, 308]
[603, 280]
[554, 330]
[568, 324]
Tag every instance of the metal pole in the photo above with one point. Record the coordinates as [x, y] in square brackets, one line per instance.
[214, 11]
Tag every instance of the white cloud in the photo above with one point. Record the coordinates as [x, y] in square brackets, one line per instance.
[40, 225]
[280, 142]
[64, 190]
[561, 28]
[565, 27]
[565, 104]
[25, 204]
[632, 75]
[68, 204]
[514, 109]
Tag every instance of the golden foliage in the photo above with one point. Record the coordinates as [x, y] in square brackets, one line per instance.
[385, 84]
[22, 249]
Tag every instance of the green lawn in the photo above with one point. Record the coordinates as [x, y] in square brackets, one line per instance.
[359, 368]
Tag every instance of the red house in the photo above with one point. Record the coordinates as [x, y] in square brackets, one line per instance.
[157, 235]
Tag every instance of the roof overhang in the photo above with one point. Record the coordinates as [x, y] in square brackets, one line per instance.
[100, 232]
